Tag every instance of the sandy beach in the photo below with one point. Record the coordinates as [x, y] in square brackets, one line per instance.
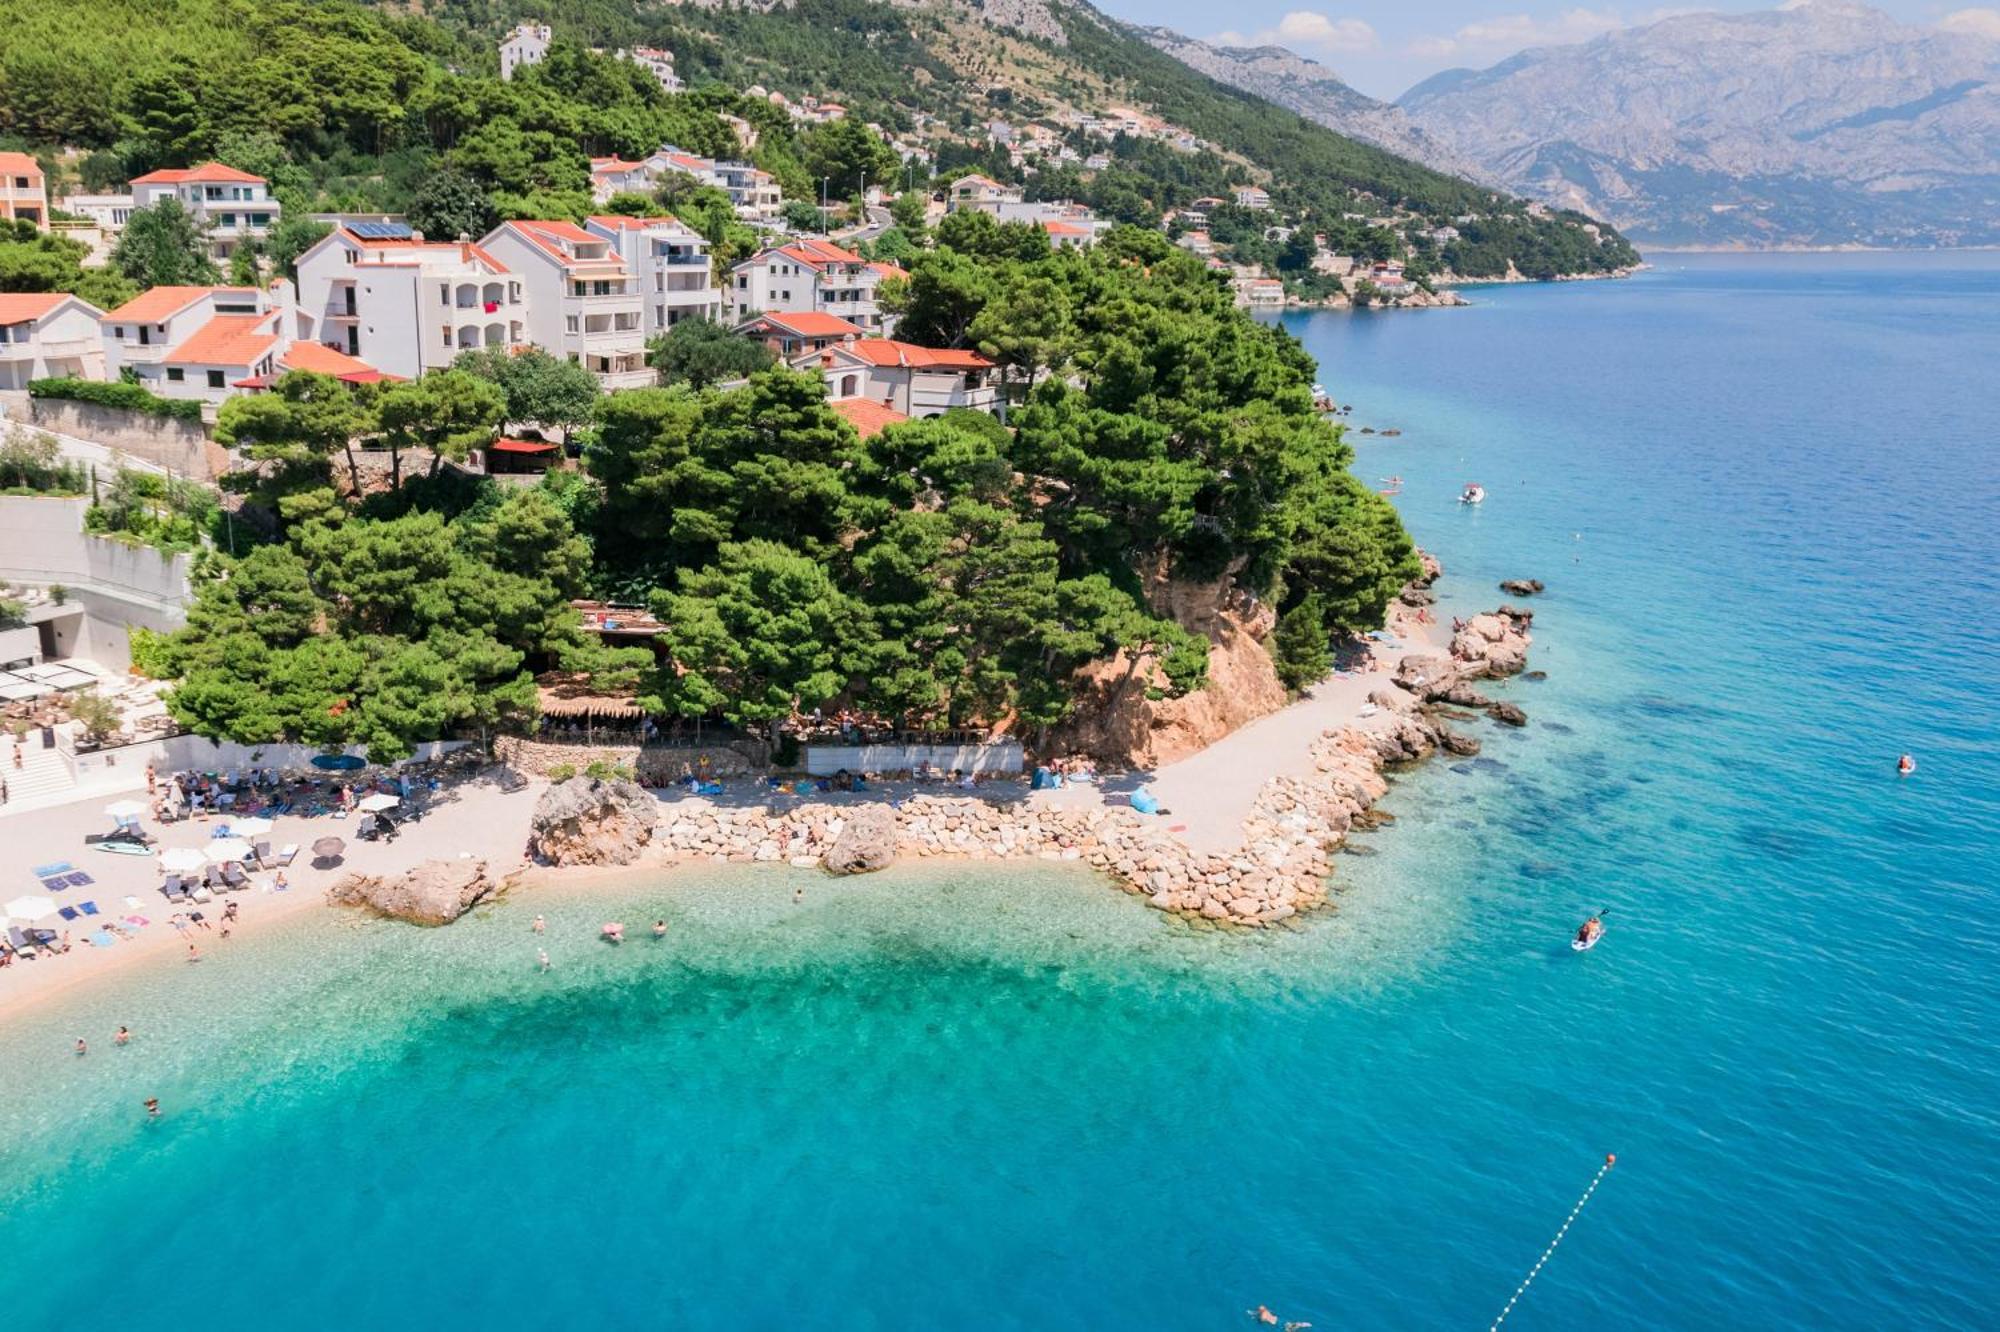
[1209, 793]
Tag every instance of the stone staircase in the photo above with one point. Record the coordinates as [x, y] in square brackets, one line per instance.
[42, 779]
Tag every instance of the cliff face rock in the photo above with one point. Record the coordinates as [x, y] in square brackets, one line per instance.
[436, 892]
[1117, 723]
[865, 843]
[1492, 644]
[586, 821]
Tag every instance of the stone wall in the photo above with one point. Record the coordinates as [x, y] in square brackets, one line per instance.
[179, 446]
[655, 765]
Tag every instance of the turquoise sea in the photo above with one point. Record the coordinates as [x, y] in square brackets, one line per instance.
[1765, 497]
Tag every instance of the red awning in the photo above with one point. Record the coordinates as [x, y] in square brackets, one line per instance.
[368, 377]
[254, 382]
[521, 446]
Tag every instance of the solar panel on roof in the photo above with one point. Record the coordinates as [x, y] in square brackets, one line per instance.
[380, 230]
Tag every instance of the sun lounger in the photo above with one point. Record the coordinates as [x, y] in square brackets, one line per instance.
[80, 880]
[57, 884]
[233, 875]
[262, 853]
[287, 854]
[172, 890]
[68, 913]
[24, 947]
[87, 908]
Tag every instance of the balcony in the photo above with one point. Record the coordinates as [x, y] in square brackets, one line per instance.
[139, 353]
[683, 260]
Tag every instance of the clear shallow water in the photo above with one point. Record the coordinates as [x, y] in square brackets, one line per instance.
[1763, 495]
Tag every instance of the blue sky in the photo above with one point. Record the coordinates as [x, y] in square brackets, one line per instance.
[1382, 47]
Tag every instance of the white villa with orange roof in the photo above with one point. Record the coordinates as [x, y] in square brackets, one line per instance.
[980, 192]
[614, 175]
[404, 304]
[583, 302]
[903, 377]
[811, 275]
[233, 205]
[140, 334]
[669, 261]
[24, 191]
[792, 335]
[48, 335]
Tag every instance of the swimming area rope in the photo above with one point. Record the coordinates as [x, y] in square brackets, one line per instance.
[1548, 1253]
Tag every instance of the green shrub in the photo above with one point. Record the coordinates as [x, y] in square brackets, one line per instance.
[604, 770]
[131, 397]
[33, 463]
[562, 772]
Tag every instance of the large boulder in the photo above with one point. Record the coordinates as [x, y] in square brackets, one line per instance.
[590, 821]
[1426, 675]
[867, 842]
[436, 892]
[1521, 587]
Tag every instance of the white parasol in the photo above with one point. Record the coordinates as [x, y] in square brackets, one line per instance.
[181, 859]
[378, 803]
[249, 826]
[227, 848]
[31, 908]
[126, 809]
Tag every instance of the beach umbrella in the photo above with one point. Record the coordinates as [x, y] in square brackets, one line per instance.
[181, 859]
[227, 848]
[249, 827]
[378, 803]
[31, 908]
[328, 848]
[126, 809]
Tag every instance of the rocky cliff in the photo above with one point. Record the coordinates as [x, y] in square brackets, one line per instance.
[587, 821]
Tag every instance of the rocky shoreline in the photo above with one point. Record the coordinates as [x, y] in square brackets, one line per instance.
[1280, 868]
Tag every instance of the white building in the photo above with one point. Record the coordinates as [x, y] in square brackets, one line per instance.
[756, 194]
[656, 61]
[583, 303]
[109, 212]
[1250, 196]
[24, 193]
[980, 192]
[810, 275]
[614, 175]
[48, 335]
[903, 377]
[405, 304]
[669, 262]
[232, 205]
[139, 334]
[526, 45]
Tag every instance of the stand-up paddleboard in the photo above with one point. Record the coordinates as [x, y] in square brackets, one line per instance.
[1585, 945]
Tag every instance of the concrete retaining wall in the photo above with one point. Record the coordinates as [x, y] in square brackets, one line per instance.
[656, 765]
[184, 753]
[1003, 756]
[117, 587]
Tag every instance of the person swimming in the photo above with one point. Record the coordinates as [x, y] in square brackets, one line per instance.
[124, 1035]
[542, 956]
[1906, 765]
[541, 926]
[659, 929]
[82, 1047]
[152, 1107]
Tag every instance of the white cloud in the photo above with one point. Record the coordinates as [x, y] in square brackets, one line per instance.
[1307, 31]
[1977, 22]
[1507, 33]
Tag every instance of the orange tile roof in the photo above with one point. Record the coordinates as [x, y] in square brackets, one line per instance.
[868, 417]
[606, 165]
[322, 360]
[20, 164]
[811, 323]
[889, 352]
[620, 222]
[1064, 229]
[18, 307]
[544, 235]
[160, 303]
[226, 340]
[207, 172]
[889, 270]
[818, 253]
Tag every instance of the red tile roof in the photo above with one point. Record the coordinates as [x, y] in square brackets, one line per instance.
[889, 352]
[1064, 229]
[208, 173]
[818, 253]
[606, 165]
[619, 222]
[504, 445]
[322, 360]
[811, 324]
[868, 417]
[546, 235]
[158, 304]
[19, 307]
[226, 340]
[20, 164]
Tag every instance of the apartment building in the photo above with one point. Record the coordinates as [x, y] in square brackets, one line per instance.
[584, 304]
[811, 275]
[234, 206]
[670, 265]
[24, 191]
[48, 335]
[614, 175]
[404, 304]
[980, 192]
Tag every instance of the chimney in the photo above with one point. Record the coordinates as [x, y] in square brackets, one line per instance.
[416, 236]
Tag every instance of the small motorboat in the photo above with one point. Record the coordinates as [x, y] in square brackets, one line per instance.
[1474, 493]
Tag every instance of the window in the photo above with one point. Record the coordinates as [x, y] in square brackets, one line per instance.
[229, 219]
[444, 293]
[215, 379]
[118, 332]
[175, 374]
[570, 323]
[260, 219]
